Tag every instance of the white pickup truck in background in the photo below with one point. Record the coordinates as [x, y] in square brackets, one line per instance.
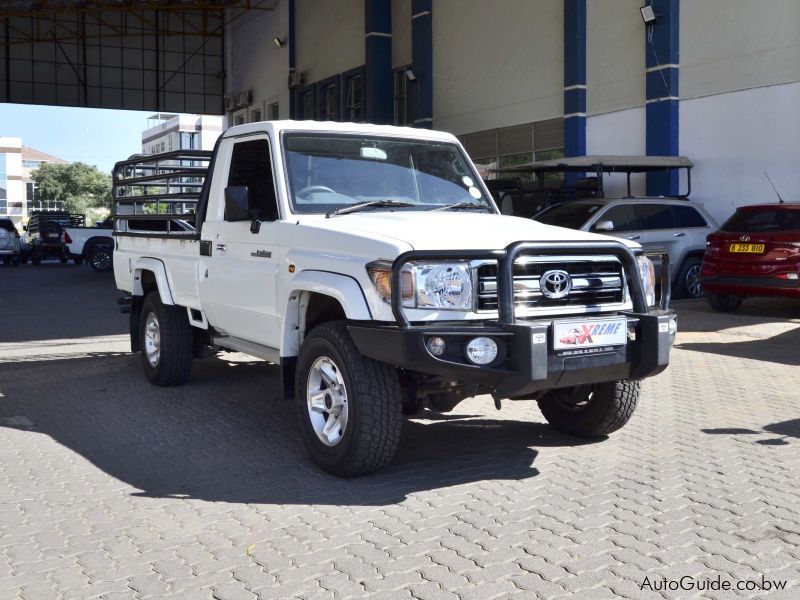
[372, 265]
[95, 245]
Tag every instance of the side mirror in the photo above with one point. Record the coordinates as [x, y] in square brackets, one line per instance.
[237, 203]
[604, 226]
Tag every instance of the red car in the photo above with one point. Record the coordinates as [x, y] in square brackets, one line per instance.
[755, 253]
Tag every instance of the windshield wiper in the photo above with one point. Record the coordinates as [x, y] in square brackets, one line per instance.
[364, 205]
[459, 206]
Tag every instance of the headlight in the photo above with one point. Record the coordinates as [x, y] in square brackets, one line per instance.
[647, 275]
[433, 286]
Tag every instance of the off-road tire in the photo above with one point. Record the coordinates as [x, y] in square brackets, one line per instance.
[724, 302]
[374, 401]
[690, 268]
[175, 360]
[610, 407]
[100, 258]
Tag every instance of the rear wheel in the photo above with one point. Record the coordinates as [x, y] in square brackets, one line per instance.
[689, 278]
[349, 407]
[165, 339]
[591, 410]
[16, 260]
[100, 257]
[724, 302]
[6, 260]
[77, 259]
[36, 258]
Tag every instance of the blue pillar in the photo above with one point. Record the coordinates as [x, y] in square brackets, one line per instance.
[574, 81]
[422, 61]
[378, 78]
[662, 60]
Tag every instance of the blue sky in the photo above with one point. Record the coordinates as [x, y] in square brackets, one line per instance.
[92, 135]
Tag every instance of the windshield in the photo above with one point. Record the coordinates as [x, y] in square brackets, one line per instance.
[332, 171]
[572, 214]
[773, 219]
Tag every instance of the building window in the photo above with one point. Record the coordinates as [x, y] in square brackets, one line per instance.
[354, 100]
[31, 164]
[190, 140]
[403, 93]
[275, 111]
[328, 101]
[239, 119]
[30, 191]
[256, 116]
[308, 105]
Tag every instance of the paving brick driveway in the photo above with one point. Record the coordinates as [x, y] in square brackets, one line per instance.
[112, 488]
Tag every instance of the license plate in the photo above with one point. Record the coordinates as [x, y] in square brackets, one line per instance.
[52, 235]
[589, 333]
[747, 248]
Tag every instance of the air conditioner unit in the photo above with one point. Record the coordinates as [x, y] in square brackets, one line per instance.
[230, 104]
[295, 79]
[244, 99]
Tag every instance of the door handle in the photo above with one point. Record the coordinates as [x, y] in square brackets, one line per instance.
[679, 234]
[222, 246]
[634, 237]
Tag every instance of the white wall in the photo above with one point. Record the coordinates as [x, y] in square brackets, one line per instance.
[729, 45]
[733, 138]
[254, 62]
[401, 33]
[620, 133]
[615, 65]
[497, 63]
[330, 37]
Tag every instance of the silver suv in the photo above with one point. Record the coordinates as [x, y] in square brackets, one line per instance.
[677, 226]
[9, 242]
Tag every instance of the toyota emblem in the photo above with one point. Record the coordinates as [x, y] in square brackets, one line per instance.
[555, 284]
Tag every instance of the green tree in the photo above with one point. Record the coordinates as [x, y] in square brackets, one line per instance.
[77, 186]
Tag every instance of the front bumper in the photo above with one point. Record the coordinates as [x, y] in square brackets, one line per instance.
[527, 361]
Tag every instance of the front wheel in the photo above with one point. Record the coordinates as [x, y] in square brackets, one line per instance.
[591, 410]
[689, 278]
[349, 407]
[724, 302]
[100, 258]
[165, 339]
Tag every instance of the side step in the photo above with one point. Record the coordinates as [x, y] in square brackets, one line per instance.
[239, 345]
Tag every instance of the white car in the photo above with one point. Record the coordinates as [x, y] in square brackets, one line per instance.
[372, 265]
[10, 249]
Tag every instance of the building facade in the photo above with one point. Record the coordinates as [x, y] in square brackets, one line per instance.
[18, 196]
[717, 81]
[167, 132]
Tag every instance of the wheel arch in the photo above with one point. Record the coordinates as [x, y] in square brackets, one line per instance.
[316, 297]
[94, 241]
[150, 274]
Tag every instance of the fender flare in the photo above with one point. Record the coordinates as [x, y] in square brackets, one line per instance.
[158, 269]
[343, 288]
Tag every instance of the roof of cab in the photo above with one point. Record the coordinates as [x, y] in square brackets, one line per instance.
[336, 127]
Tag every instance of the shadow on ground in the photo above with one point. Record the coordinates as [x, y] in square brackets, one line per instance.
[784, 429]
[781, 348]
[58, 301]
[226, 436]
[698, 316]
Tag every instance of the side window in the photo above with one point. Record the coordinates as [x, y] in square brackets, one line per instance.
[689, 217]
[655, 216]
[251, 167]
[623, 216]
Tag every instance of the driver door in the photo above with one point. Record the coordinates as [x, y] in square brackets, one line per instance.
[238, 282]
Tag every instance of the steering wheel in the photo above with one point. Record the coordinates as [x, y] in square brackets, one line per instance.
[314, 188]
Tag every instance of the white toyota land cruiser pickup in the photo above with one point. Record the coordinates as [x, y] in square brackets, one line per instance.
[372, 265]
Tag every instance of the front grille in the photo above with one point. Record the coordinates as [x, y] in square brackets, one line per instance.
[596, 281]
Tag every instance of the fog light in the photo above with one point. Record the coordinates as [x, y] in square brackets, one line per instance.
[481, 350]
[436, 346]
